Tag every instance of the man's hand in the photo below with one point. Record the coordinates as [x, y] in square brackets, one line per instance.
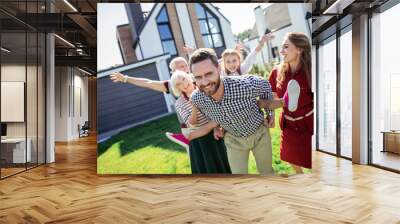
[117, 77]
[270, 104]
[262, 103]
[269, 122]
[188, 49]
[218, 133]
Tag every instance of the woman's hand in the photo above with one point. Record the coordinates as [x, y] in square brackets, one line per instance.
[117, 77]
[218, 133]
[266, 37]
[239, 46]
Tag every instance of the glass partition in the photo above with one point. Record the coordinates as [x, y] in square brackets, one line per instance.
[346, 93]
[22, 77]
[327, 96]
[385, 90]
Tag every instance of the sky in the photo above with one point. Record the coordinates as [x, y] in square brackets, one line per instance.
[110, 15]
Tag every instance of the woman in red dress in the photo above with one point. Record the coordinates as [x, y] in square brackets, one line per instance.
[296, 120]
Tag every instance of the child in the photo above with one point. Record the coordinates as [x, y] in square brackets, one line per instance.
[231, 59]
[231, 65]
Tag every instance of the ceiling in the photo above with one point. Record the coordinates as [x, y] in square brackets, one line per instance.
[74, 22]
[328, 16]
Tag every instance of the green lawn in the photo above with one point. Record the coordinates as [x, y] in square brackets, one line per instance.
[145, 150]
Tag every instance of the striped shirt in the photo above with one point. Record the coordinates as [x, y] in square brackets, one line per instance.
[184, 109]
[237, 112]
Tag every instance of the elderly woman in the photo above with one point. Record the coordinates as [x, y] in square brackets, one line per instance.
[176, 64]
[207, 155]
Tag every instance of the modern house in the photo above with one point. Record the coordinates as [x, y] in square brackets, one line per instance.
[293, 17]
[156, 37]
[170, 26]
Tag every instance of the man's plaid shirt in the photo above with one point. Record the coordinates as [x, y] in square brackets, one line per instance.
[237, 112]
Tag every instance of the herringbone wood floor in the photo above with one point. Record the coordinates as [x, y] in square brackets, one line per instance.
[70, 191]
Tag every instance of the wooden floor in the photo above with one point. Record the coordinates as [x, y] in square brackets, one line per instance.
[387, 159]
[10, 171]
[70, 191]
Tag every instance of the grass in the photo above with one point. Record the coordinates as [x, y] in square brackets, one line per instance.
[145, 150]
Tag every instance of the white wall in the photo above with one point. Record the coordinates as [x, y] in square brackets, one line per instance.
[50, 95]
[138, 53]
[79, 118]
[62, 80]
[186, 25]
[67, 115]
[225, 27]
[149, 39]
[261, 23]
[297, 12]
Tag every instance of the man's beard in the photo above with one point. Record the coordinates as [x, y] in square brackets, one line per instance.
[213, 89]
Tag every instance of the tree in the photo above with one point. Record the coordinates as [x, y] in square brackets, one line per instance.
[243, 35]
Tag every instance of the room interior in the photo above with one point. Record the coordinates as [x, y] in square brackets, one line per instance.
[70, 190]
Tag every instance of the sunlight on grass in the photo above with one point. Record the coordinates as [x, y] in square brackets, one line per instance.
[146, 160]
[145, 150]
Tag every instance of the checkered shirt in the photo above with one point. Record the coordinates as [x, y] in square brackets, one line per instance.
[237, 112]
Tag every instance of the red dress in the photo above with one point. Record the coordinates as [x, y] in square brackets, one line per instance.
[296, 135]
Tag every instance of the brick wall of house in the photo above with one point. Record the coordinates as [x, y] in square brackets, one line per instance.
[195, 24]
[176, 28]
[125, 40]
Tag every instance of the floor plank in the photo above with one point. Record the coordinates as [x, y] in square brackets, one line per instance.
[70, 191]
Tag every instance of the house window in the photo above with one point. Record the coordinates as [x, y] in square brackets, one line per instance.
[209, 28]
[164, 29]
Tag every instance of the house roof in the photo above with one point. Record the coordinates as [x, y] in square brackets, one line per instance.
[153, 10]
[140, 29]
[274, 23]
[220, 13]
[124, 67]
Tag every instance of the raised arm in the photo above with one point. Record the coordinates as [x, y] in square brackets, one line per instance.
[141, 82]
[245, 67]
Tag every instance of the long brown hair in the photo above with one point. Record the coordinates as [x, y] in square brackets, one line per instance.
[301, 41]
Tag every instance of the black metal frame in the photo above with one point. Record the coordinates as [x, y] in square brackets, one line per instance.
[209, 33]
[44, 77]
[338, 34]
[170, 30]
[387, 5]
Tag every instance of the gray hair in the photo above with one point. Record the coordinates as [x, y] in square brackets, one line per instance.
[172, 64]
[174, 79]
